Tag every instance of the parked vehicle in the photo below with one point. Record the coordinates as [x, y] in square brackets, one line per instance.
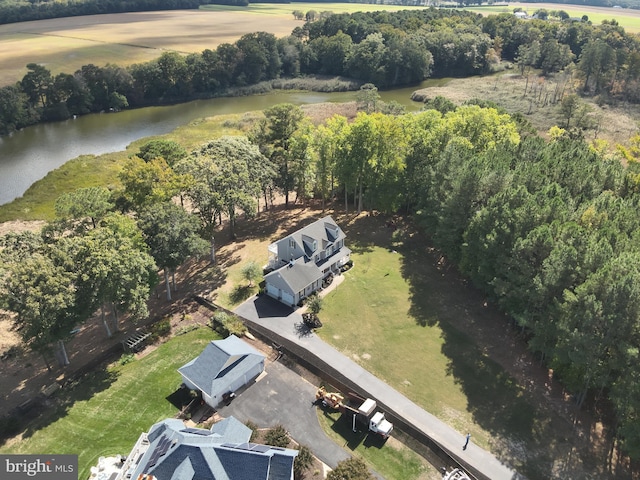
[364, 414]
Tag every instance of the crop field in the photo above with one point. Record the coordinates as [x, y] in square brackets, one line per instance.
[65, 44]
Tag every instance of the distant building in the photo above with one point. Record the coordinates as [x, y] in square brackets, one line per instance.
[301, 261]
[521, 15]
[223, 367]
[171, 451]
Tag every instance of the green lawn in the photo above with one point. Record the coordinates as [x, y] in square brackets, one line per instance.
[393, 314]
[390, 459]
[106, 412]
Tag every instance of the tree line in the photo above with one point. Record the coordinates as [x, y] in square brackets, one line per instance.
[24, 11]
[383, 48]
[547, 229]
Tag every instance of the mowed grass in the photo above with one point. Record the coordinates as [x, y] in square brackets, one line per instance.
[288, 8]
[106, 412]
[397, 316]
[391, 459]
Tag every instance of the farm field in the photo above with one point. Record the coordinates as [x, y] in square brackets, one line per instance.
[65, 44]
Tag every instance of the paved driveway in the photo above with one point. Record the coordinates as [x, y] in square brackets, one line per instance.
[283, 397]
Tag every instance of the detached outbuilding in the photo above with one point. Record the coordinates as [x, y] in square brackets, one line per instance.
[223, 367]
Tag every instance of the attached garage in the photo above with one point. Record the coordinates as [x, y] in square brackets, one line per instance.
[293, 282]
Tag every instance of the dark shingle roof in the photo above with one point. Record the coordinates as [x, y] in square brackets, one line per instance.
[220, 363]
[222, 454]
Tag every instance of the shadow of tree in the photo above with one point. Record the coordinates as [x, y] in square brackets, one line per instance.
[302, 330]
[81, 389]
[526, 431]
[241, 292]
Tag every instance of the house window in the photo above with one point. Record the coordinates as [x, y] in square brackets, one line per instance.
[292, 243]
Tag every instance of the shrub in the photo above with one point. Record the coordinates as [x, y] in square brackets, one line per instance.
[303, 461]
[161, 328]
[226, 324]
[314, 304]
[277, 436]
[254, 430]
[126, 358]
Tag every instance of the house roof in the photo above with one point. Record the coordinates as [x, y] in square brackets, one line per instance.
[220, 363]
[179, 453]
[295, 276]
[325, 231]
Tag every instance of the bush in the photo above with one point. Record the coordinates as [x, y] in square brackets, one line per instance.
[277, 437]
[303, 461]
[161, 328]
[126, 358]
[254, 430]
[226, 324]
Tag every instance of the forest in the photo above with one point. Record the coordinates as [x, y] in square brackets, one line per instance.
[548, 230]
[383, 48]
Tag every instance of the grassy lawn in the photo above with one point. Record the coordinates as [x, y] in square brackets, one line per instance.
[398, 319]
[106, 412]
[390, 459]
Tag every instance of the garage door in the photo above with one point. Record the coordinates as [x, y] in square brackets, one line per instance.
[286, 298]
[273, 291]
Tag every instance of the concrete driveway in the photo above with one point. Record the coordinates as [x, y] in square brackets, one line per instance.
[282, 397]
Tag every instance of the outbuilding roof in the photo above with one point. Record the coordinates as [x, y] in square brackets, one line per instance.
[221, 362]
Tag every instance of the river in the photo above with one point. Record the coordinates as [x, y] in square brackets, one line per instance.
[28, 155]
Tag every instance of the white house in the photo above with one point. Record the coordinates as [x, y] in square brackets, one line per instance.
[302, 260]
[223, 367]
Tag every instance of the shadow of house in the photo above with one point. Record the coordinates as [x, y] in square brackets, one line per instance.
[172, 451]
[223, 367]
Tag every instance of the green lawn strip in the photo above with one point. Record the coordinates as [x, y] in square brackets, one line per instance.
[393, 462]
[106, 412]
[390, 315]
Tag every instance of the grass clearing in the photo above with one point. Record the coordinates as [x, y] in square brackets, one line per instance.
[391, 459]
[106, 412]
[400, 319]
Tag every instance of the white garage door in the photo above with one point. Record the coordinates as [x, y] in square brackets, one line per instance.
[286, 298]
[273, 291]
